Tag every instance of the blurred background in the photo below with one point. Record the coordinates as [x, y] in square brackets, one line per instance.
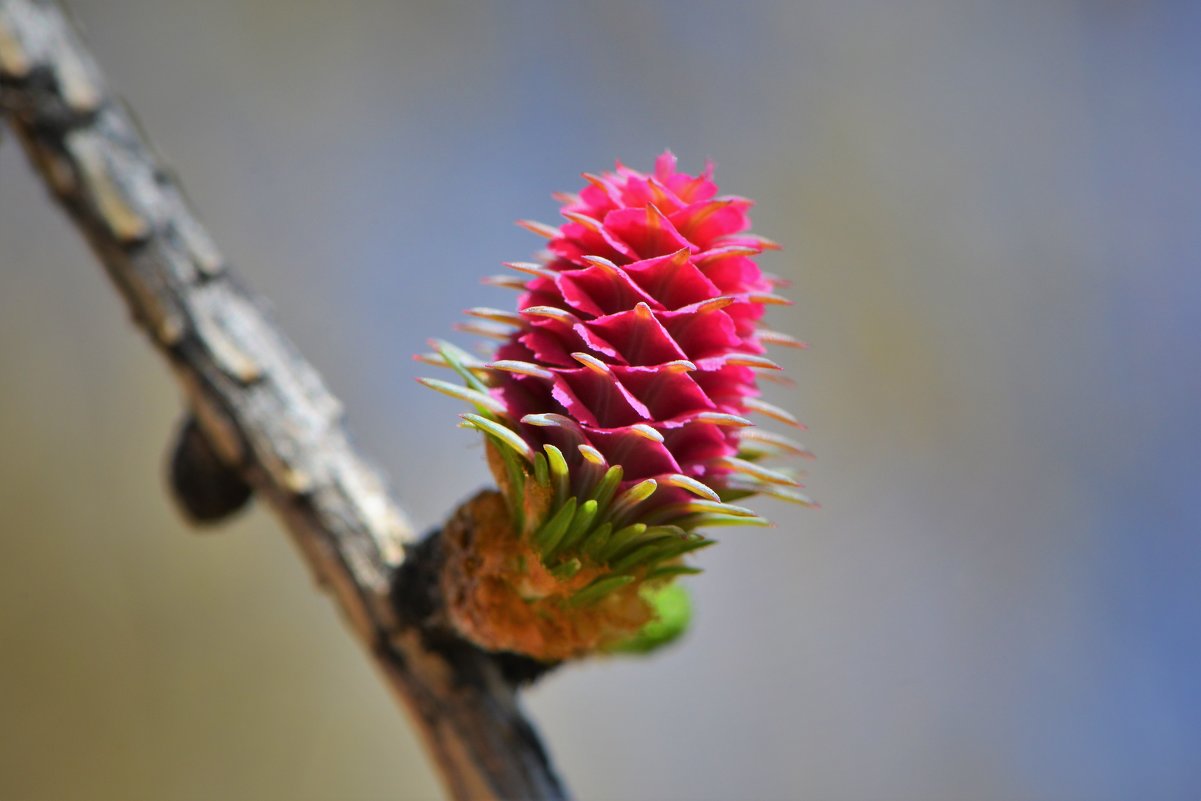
[990, 213]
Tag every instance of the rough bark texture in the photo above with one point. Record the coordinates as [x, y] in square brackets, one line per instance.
[259, 416]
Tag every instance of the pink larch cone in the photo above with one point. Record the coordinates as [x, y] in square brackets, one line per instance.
[617, 406]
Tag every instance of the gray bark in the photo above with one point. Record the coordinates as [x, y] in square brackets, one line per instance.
[259, 418]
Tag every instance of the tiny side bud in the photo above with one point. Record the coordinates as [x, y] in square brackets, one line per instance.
[204, 487]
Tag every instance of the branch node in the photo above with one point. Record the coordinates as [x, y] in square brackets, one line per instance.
[205, 488]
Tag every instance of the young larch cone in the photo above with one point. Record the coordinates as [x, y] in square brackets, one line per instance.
[615, 413]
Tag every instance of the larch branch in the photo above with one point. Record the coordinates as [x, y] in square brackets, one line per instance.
[260, 417]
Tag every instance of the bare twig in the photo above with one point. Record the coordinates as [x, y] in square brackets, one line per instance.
[260, 417]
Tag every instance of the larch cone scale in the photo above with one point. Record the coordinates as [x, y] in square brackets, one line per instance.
[617, 416]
